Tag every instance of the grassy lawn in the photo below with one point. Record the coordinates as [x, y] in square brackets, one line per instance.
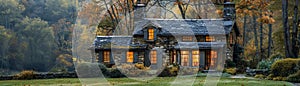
[130, 82]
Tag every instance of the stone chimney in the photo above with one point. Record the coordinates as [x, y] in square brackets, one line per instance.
[229, 10]
[139, 10]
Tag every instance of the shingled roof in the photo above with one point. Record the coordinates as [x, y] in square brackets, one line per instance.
[116, 42]
[186, 26]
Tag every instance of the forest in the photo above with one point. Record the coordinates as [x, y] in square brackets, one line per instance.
[37, 34]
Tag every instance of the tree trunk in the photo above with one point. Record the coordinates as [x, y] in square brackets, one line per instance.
[181, 9]
[295, 43]
[270, 40]
[244, 32]
[261, 40]
[286, 29]
[255, 36]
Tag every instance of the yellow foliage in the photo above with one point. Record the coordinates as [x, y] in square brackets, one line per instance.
[231, 71]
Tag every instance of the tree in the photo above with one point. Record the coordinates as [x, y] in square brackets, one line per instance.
[39, 44]
[295, 42]
[286, 28]
[10, 13]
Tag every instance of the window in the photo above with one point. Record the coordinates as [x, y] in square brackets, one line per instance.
[195, 56]
[187, 38]
[231, 39]
[213, 57]
[150, 34]
[129, 56]
[153, 57]
[184, 58]
[106, 56]
[210, 38]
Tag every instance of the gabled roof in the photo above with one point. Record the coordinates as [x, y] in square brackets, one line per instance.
[187, 26]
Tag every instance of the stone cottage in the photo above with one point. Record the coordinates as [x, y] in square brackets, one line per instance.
[197, 43]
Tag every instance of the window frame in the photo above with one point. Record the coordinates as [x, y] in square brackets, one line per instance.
[106, 56]
[151, 33]
[210, 38]
[187, 38]
[129, 56]
[153, 57]
[213, 57]
[184, 58]
[195, 60]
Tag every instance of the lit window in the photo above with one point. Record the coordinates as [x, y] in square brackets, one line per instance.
[106, 56]
[195, 57]
[184, 58]
[150, 34]
[213, 57]
[153, 57]
[187, 38]
[210, 38]
[129, 56]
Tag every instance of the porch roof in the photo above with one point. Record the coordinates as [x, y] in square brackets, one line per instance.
[199, 45]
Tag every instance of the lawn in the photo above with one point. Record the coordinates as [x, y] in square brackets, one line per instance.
[165, 81]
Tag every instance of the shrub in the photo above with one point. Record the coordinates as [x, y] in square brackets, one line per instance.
[260, 76]
[270, 77]
[279, 78]
[169, 71]
[231, 71]
[242, 66]
[264, 64]
[229, 63]
[285, 67]
[25, 75]
[115, 73]
[294, 77]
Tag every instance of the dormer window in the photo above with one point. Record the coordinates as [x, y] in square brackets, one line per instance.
[210, 38]
[150, 34]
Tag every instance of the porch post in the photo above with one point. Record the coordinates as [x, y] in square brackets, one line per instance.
[202, 58]
[178, 57]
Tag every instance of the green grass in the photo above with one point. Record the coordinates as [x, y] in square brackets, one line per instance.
[130, 82]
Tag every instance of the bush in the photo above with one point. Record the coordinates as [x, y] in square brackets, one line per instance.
[25, 75]
[260, 76]
[115, 73]
[279, 78]
[264, 64]
[169, 71]
[231, 71]
[270, 77]
[229, 63]
[242, 66]
[294, 77]
[285, 67]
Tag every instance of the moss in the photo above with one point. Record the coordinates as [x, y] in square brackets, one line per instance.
[260, 76]
[285, 67]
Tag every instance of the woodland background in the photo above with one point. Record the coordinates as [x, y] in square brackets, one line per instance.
[37, 34]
